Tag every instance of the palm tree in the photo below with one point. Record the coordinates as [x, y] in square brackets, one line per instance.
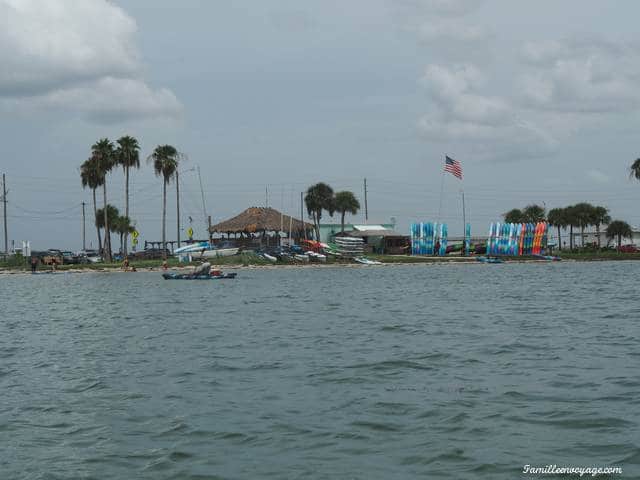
[635, 169]
[584, 215]
[123, 227]
[600, 217]
[165, 164]
[533, 214]
[619, 229]
[345, 202]
[319, 197]
[112, 214]
[514, 215]
[571, 219]
[557, 218]
[127, 155]
[104, 154]
[91, 178]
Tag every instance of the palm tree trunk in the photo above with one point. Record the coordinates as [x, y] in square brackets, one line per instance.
[107, 232]
[571, 237]
[342, 223]
[164, 218]
[559, 239]
[95, 215]
[123, 246]
[619, 242]
[598, 233]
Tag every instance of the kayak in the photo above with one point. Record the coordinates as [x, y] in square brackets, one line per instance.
[549, 258]
[489, 260]
[366, 261]
[186, 276]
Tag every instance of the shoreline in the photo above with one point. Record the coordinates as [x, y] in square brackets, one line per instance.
[386, 261]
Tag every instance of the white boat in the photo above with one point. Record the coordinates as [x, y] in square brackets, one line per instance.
[366, 261]
[192, 247]
[301, 258]
[316, 257]
[271, 258]
[216, 252]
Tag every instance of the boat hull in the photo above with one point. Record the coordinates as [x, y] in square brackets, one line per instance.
[183, 276]
[218, 252]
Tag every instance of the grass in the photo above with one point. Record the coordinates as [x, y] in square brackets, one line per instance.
[19, 263]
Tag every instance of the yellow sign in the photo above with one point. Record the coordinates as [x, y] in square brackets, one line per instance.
[135, 234]
[135, 241]
[190, 232]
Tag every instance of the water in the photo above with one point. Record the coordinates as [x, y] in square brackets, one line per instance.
[443, 371]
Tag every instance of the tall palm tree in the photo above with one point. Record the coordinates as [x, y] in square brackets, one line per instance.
[104, 154]
[619, 229]
[91, 178]
[557, 218]
[600, 217]
[319, 197]
[127, 156]
[165, 164]
[346, 202]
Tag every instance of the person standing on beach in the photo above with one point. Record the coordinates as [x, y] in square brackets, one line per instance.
[34, 264]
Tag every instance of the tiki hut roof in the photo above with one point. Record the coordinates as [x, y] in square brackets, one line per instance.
[257, 219]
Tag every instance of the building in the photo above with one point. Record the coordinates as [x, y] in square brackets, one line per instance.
[378, 238]
[591, 238]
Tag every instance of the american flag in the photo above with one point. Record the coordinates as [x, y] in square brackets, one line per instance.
[453, 166]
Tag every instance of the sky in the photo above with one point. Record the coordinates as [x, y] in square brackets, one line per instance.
[539, 101]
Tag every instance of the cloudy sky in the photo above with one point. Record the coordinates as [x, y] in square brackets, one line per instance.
[539, 101]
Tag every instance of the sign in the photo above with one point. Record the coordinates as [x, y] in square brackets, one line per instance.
[135, 241]
[190, 232]
[135, 235]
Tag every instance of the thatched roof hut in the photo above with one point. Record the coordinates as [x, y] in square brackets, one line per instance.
[260, 219]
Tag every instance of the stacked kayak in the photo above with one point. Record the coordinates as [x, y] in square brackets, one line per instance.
[489, 260]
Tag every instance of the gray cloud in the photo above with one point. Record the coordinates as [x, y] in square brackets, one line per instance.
[78, 55]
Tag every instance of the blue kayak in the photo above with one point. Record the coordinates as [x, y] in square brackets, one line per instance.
[186, 276]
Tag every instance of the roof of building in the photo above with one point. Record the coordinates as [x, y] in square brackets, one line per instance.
[257, 219]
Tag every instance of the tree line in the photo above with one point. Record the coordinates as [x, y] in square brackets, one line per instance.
[104, 158]
[581, 215]
[321, 197]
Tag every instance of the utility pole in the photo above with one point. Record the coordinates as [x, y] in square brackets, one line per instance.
[464, 227]
[4, 201]
[266, 196]
[207, 220]
[366, 206]
[84, 244]
[302, 215]
[177, 208]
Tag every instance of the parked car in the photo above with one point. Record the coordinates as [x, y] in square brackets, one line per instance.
[89, 256]
[629, 249]
[52, 256]
[69, 258]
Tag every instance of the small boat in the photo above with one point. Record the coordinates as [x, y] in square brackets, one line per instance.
[217, 252]
[366, 261]
[271, 258]
[316, 257]
[186, 276]
[489, 259]
[301, 257]
[549, 258]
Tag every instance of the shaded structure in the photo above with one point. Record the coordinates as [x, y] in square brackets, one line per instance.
[378, 239]
[260, 226]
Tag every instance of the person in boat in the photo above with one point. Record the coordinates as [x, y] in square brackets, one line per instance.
[202, 269]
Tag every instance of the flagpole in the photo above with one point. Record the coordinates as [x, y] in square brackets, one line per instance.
[441, 192]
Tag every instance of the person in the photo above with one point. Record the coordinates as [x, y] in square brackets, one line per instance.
[125, 264]
[165, 265]
[34, 264]
[54, 263]
[203, 269]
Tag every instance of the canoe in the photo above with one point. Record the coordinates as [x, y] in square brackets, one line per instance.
[217, 252]
[186, 276]
[550, 258]
[271, 258]
[489, 260]
[366, 261]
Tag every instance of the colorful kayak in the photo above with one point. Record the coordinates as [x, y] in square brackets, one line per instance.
[186, 276]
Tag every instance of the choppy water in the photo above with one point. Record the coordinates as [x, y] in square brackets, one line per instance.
[369, 373]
